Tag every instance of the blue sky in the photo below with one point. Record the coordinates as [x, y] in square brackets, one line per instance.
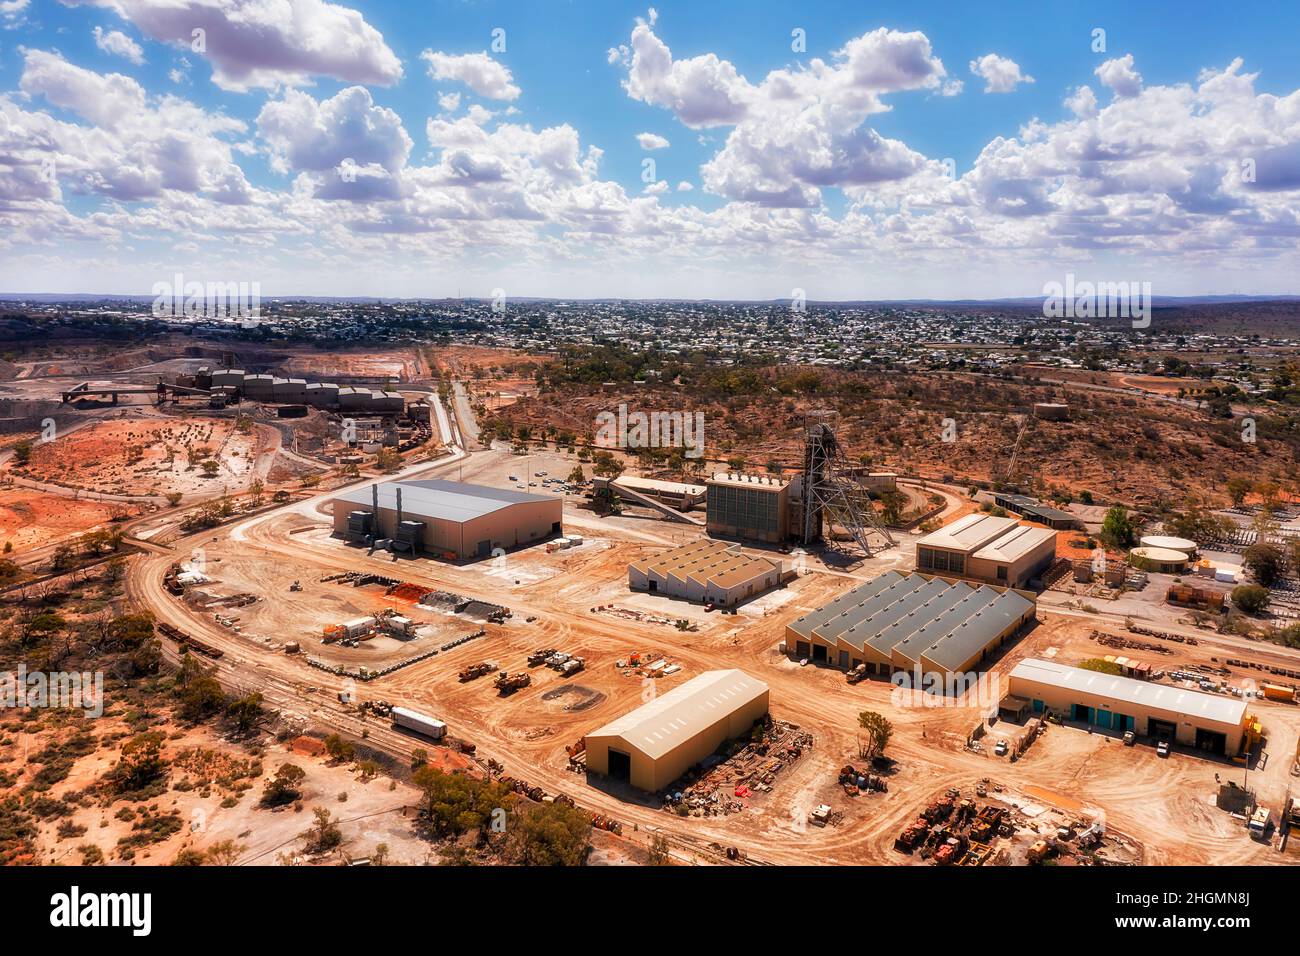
[837, 188]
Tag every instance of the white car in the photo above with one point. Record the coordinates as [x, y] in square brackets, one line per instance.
[1001, 748]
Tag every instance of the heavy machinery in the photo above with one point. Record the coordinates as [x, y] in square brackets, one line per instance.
[857, 674]
[911, 837]
[952, 850]
[475, 671]
[508, 683]
[536, 658]
[987, 823]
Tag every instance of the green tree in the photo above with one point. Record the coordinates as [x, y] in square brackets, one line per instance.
[200, 694]
[550, 834]
[456, 803]
[657, 854]
[1238, 487]
[878, 729]
[246, 713]
[1250, 598]
[1265, 561]
[140, 766]
[284, 787]
[339, 748]
[324, 835]
[1117, 528]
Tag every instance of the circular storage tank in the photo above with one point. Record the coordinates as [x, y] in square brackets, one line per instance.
[1165, 543]
[1165, 560]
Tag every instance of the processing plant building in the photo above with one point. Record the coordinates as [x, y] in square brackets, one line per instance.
[446, 518]
[753, 507]
[1210, 722]
[986, 548]
[912, 622]
[710, 572]
[656, 743]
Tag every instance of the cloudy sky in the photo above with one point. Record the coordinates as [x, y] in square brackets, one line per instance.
[602, 148]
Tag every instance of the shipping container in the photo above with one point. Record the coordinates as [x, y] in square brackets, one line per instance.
[418, 722]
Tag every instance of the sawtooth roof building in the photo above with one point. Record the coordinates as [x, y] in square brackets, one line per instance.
[900, 621]
[705, 571]
[655, 744]
[447, 518]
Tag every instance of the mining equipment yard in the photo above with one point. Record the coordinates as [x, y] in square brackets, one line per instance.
[576, 601]
[327, 629]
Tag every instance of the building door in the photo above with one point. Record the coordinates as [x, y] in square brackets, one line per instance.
[1081, 712]
[484, 548]
[801, 649]
[844, 659]
[620, 765]
[1104, 719]
[1211, 741]
[819, 652]
[1161, 729]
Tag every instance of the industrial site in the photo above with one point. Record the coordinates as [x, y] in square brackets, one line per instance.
[370, 595]
[553, 444]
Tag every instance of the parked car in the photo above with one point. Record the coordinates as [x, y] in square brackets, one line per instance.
[1129, 739]
[1162, 749]
[1001, 748]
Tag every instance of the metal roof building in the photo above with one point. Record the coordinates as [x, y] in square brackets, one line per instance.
[903, 621]
[983, 547]
[712, 572]
[457, 520]
[655, 744]
[1035, 510]
[1209, 722]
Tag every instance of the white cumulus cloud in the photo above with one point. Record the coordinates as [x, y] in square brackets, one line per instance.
[1000, 75]
[482, 74]
[267, 43]
[119, 44]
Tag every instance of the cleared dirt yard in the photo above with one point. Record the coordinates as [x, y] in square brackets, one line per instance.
[149, 456]
[32, 519]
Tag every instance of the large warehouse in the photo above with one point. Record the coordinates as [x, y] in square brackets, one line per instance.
[911, 622]
[711, 572]
[656, 743]
[1209, 722]
[446, 518]
[982, 547]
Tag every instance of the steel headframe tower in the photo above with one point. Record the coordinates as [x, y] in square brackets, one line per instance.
[830, 494]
